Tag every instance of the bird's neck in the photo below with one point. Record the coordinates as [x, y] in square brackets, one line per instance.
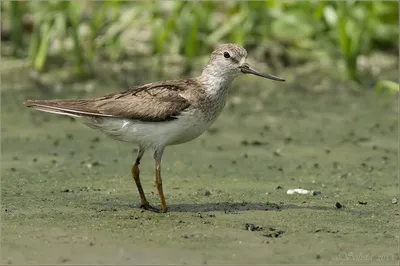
[215, 85]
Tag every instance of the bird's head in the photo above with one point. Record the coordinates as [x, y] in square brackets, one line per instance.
[229, 60]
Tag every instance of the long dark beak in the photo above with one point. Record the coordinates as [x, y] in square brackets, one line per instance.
[246, 69]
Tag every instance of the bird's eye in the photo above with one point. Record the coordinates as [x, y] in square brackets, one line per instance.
[227, 55]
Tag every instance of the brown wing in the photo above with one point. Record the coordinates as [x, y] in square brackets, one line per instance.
[153, 102]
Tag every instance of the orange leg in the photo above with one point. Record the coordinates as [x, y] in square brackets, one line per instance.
[136, 176]
[157, 157]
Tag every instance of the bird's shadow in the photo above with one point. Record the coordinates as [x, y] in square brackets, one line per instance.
[227, 207]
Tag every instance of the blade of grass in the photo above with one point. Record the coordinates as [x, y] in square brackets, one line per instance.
[41, 56]
[162, 36]
[17, 27]
[226, 28]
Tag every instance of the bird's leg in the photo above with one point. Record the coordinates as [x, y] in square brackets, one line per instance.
[135, 174]
[157, 157]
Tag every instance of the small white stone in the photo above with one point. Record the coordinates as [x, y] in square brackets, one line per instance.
[298, 191]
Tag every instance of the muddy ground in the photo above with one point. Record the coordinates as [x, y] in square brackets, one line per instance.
[68, 196]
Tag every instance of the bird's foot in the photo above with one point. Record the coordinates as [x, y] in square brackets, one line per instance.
[148, 207]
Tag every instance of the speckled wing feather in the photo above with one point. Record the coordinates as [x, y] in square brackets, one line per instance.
[153, 102]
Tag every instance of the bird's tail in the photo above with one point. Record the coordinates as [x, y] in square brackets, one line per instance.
[61, 107]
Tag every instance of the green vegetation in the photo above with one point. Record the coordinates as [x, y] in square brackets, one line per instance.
[282, 32]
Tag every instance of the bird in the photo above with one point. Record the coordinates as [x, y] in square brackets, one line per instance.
[159, 114]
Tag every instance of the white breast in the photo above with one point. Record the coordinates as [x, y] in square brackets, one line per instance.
[187, 126]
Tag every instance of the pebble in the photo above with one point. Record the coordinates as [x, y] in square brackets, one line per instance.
[253, 227]
[316, 192]
[394, 201]
[338, 205]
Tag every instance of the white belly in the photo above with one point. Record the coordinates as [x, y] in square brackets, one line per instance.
[153, 134]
